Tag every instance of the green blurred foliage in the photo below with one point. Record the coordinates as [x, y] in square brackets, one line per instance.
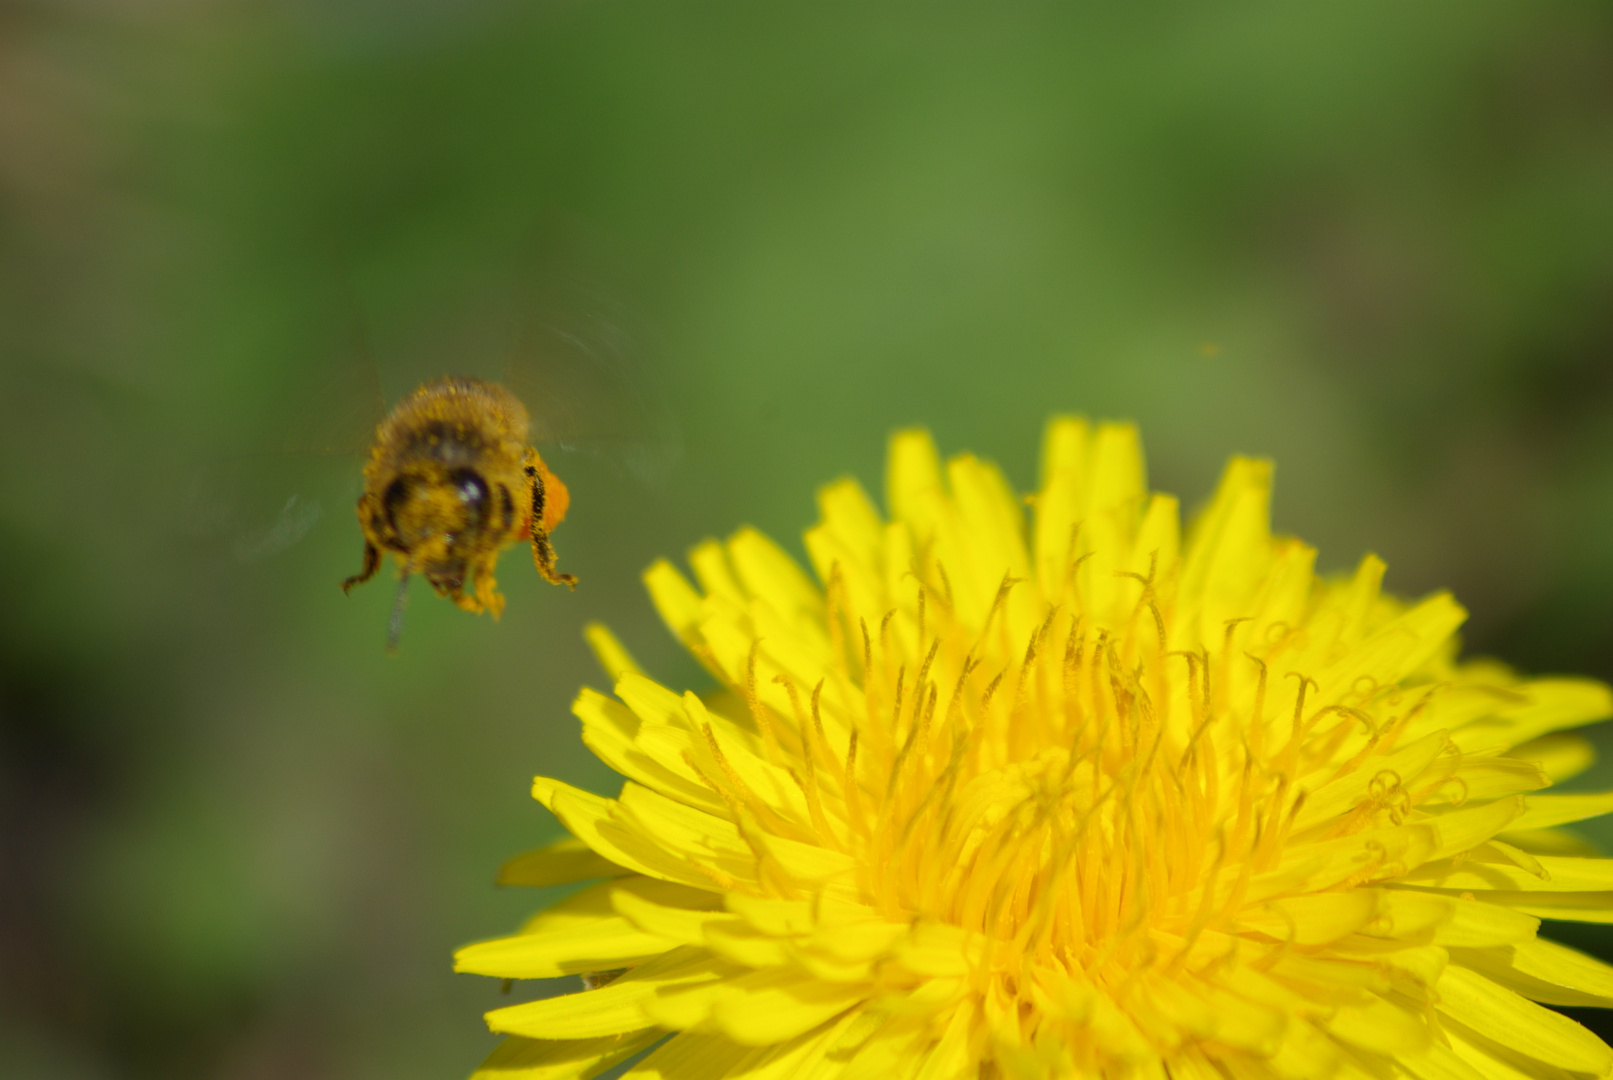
[237, 840]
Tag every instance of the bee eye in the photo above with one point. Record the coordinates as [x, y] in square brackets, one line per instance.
[471, 487]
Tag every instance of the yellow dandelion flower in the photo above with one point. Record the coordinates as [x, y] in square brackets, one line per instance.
[1085, 798]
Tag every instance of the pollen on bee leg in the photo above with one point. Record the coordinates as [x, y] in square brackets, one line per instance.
[487, 594]
[556, 496]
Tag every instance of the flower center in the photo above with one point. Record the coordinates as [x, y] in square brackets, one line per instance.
[1092, 801]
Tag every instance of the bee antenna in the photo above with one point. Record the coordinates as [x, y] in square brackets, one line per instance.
[394, 626]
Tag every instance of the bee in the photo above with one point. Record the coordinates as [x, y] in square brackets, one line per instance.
[451, 481]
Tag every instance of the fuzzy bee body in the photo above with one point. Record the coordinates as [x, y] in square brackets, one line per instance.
[451, 481]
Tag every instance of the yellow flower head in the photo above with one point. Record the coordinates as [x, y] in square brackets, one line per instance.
[1087, 798]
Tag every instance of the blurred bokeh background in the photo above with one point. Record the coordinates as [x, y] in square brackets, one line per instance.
[237, 840]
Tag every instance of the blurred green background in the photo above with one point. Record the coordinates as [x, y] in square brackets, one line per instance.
[237, 840]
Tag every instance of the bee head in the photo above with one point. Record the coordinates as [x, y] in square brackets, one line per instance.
[439, 521]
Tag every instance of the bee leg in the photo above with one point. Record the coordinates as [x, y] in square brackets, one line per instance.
[487, 586]
[543, 554]
[543, 557]
[463, 600]
[466, 603]
[394, 625]
[372, 563]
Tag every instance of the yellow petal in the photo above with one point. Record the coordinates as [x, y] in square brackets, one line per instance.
[864, 595]
[1490, 1061]
[928, 998]
[1118, 477]
[1242, 1023]
[1114, 496]
[715, 574]
[1115, 1033]
[1190, 1064]
[803, 1057]
[695, 1056]
[1513, 1021]
[827, 968]
[588, 817]
[599, 945]
[614, 1008]
[1493, 778]
[745, 944]
[611, 653]
[889, 1052]
[1330, 979]
[1554, 841]
[1320, 866]
[951, 1055]
[1315, 919]
[1436, 1061]
[583, 933]
[1421, 964]
[771, 575]
[810, 864]
[1545, 971]
[571, 1059]
[1550, 704]
[1463, 830]
[1563, 875]
[1471, 923]
[862, 940]
[691, 1056]
[1544, 811]
[1228, 548]
[687, 1008]
[1202, 1011]
[651, 702]
[690, 837]
[913, 474]
[777, 1004]
[1399, 648]
[772, 916]
[652, 754]
[849, 515]
[673, 596]
[685, 922]
[1561, 756]
[1361, 597]
[1305, 1053]
[1059, 503]
[1338, 796]
[561, 863]
[936, 949]
[1159, 537]
[991, 519]
[1379, 1026]
[757, 1008]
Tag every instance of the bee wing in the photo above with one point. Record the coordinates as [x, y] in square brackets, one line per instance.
[298, 459]
[578, 365]
[336, 408]
[297, 517]
[254, 506]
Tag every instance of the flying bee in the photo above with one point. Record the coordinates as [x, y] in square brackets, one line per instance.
[450, 483]
[450, 477]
